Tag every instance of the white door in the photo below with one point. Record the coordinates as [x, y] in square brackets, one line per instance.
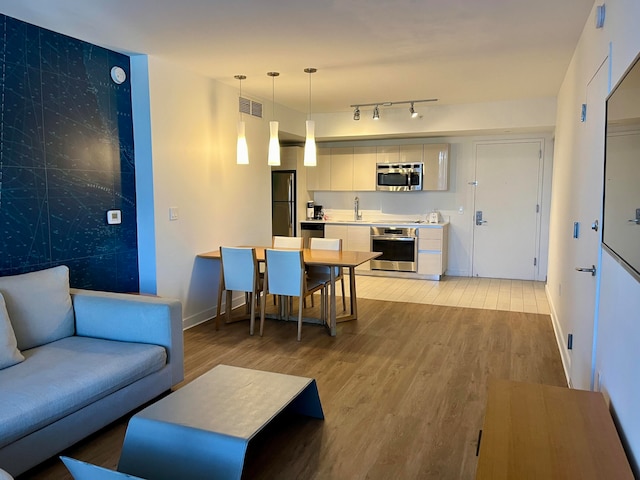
[505, 235]
[589, 178]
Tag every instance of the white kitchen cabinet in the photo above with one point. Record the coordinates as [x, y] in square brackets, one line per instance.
[336, 231]
[319, 177]
[432, 250]
[341, 169]
[354, 237]
[359, 240]
[411, 153]
[364, 169]
[436, 166]
[388, 153]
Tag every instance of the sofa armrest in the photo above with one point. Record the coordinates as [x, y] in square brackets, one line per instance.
[132, 318]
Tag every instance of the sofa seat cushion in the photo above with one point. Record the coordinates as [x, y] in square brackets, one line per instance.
[61, 377]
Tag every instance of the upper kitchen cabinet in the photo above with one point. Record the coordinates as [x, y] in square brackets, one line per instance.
[411, 153]
[364, 169]
[388, 154]
[319, 177]
[436, 166]
[341, 169]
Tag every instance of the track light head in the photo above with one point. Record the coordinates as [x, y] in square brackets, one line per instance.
[376, 113]
[412, 111]
[356, 113]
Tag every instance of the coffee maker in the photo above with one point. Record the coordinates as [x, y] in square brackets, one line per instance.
[318, 214]
[311, 213]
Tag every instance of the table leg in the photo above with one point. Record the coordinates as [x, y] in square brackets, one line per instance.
[332, 307]
[352, 293]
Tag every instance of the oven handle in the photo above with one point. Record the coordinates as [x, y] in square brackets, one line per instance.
[391, 237]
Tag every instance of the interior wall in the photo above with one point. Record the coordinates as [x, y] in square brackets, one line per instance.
[66, 159]
[193, 129]
[616, 331]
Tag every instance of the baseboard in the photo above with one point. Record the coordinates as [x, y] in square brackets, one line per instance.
[209, 313]
[564, 353]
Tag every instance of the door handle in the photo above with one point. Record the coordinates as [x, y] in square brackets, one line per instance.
[479, 220]
[591, 270]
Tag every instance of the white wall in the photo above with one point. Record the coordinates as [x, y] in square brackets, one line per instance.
[617, 330]
[193, 130]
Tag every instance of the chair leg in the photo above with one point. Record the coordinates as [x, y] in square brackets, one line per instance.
[300, 319]
[344, 302]
[252, 320]
[263, 302]
[228, 305]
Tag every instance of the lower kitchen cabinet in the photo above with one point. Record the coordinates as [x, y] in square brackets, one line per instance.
[354, 237]
[432, 250]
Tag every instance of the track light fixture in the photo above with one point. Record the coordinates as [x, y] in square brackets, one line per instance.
[376, 107]
[412, 111]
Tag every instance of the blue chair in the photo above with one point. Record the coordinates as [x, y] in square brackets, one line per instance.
[240, 273]
[285, 275]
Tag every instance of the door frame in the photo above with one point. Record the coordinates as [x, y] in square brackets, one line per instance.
[543, 199]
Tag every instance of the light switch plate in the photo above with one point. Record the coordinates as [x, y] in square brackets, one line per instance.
[114, 217]
[173, 213]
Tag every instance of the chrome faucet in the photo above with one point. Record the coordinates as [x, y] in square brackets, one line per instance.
[356, 209]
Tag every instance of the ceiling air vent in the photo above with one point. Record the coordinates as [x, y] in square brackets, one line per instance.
[244, 106]
[256, 109]
[250, 107]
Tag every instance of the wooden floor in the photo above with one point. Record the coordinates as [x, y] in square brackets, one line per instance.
[472, 292]
[403, 389]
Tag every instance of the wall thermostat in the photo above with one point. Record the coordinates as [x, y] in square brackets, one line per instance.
[118, 75]
[114, 217]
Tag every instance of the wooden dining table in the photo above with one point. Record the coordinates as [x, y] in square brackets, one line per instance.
[329, 258]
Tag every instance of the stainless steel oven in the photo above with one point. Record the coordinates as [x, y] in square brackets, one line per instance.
[399, 247]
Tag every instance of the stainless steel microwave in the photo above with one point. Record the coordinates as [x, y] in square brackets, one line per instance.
[399, 177]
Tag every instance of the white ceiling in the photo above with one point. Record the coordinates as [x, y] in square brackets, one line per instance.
[366, 51]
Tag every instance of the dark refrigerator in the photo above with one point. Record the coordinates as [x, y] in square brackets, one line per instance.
[283, 203]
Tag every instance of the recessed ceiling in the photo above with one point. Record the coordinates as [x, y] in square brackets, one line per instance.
[459, 51]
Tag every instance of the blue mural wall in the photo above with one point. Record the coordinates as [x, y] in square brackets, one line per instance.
[66, 158]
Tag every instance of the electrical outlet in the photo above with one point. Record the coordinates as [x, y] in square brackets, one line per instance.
[173, 213]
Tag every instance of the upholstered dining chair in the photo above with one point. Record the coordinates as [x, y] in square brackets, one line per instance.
[322, 273]
[285, 275]
[240, 273]
[287, 242]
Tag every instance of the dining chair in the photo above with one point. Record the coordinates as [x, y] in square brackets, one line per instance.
[287, 242]
[322, 273]
[240, 274]
[278, 241]
[285, 275]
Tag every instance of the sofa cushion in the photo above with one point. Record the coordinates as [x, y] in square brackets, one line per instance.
[39, 306]
[9, 353]
[61, 377]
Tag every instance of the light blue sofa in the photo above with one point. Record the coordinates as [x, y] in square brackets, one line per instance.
[105, 355]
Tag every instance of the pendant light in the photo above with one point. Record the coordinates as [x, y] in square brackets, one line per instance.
[274, 144]
[310, 142]
[242, 151]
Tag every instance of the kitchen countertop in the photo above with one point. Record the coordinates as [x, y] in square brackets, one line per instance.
[381, 222]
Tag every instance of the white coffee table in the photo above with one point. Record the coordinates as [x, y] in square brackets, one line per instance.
[202, 430]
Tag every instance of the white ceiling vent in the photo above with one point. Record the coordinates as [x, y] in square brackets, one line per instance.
[244, 105]
[256, 109]
[250, 107]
